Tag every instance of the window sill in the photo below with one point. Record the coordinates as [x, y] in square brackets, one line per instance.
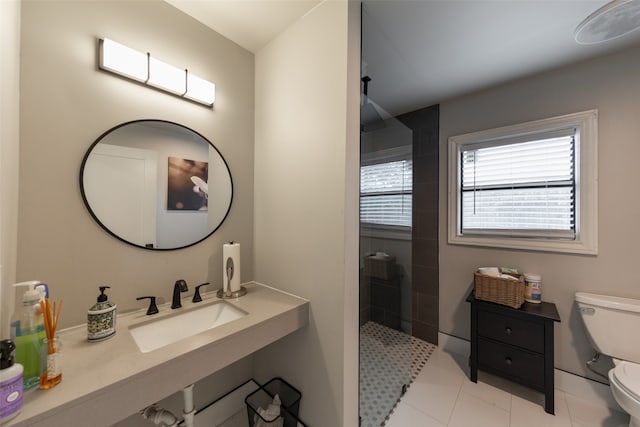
[539, 245]
[385, 232]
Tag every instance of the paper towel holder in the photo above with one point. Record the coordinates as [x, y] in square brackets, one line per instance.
[235, 294]
[229, 273]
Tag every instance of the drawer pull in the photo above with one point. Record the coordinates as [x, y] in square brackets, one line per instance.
[508, 361]
[508, 330]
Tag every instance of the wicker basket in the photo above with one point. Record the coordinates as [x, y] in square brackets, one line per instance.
[380, 268]
[501, 291]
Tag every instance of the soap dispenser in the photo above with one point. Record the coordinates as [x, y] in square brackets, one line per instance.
[27, 331]
[101, 318]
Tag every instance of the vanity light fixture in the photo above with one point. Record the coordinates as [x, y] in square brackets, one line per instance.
[142, 67]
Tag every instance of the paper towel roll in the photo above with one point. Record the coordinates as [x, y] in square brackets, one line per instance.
[231, 251]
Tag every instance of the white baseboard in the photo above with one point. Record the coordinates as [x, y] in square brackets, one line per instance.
[452, 344]
[586, 389]
[573, 384]
[223, 411]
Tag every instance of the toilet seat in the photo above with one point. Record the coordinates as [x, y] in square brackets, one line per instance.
[627, 377]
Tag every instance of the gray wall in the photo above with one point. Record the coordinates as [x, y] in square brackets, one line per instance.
[609, 84]
[306, 205]
[66, 103]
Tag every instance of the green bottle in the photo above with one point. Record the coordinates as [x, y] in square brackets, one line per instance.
[28, 332]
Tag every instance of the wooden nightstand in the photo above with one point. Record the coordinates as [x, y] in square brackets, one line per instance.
[516, 344]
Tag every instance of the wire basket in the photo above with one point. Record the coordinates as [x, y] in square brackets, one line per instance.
[261, 398]
[500, 291]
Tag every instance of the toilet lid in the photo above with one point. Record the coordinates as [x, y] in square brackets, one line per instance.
[628, 376]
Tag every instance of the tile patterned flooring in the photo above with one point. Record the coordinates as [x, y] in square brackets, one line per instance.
[389, 359]
[442, 395]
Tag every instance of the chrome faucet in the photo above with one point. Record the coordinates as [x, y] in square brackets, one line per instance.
[179, 286]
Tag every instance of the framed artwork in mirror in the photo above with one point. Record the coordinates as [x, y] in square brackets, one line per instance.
[187, 187]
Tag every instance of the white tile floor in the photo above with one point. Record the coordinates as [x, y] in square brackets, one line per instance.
[442, 395]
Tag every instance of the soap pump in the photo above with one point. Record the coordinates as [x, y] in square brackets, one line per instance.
[27, 331]
[101, 318]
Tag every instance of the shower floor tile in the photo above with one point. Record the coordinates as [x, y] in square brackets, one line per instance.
[389, 361]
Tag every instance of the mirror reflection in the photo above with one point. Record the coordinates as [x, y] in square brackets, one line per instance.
[156, 184]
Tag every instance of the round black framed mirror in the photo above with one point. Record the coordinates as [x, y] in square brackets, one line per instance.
[155, 184]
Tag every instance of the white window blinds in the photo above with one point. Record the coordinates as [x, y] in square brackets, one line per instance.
[385, 193]
[522, 187]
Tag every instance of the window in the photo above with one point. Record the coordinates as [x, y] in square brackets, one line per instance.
[385, 193]
[527, 186]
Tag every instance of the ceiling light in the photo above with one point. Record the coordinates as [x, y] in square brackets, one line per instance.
[123, 60]
[200, 89]
[614, 19]
[142, 67]
[167, 77]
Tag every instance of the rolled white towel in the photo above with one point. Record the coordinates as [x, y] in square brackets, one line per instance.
[489, 271]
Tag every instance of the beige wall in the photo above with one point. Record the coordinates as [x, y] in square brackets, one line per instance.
[9, 152]
[306, 217]
[609, 84]
[66, 103]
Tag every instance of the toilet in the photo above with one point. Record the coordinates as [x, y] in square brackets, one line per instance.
[612, 325]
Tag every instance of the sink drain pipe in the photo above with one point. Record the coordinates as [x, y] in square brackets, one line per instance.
[189, 410]
[160, 416]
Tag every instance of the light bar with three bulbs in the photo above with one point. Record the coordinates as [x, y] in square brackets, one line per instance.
[142, 67]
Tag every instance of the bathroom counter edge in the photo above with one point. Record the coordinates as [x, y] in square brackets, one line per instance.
[110, 380]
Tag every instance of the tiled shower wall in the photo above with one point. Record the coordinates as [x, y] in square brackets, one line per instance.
[425, 286]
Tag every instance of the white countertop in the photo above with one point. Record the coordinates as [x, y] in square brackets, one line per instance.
[109, 380]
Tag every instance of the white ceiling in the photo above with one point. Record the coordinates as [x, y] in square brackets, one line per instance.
[421, 52]
[249, 23]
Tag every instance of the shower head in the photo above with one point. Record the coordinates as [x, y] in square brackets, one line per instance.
[615, 19]
[370, 118]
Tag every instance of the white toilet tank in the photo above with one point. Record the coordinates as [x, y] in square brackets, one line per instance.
[612, 324]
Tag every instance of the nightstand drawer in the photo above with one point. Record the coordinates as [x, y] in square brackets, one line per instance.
[523, 365]
[511, 330]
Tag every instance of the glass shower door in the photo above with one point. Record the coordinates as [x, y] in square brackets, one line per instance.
[385, 260]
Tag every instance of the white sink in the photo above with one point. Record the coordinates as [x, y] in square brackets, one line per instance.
[186, 322]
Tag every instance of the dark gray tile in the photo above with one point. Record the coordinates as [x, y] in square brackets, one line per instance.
[427, 117]
[425, 196]
[377, 315]
[425, 252]
[425, 280]
[425, 168]
[385, 297]
[365, 293]
[425, 224]
[365, 315]
[425, 331]
[392, 320]
[425, 308]
[426, 141]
